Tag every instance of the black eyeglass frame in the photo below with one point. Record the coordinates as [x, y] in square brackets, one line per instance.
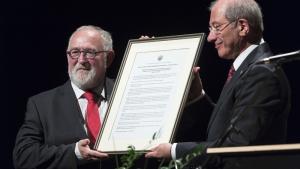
[89, 54]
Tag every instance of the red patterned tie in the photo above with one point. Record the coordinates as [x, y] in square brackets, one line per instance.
[93, 122]
[230, 74]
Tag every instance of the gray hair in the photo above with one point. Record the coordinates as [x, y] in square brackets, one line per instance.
[106, 36]
[249, 10]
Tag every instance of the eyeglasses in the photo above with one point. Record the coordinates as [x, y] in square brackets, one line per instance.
[87, 53]
[217, 29]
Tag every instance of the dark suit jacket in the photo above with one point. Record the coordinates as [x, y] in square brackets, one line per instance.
[53, 124]
[255, 103]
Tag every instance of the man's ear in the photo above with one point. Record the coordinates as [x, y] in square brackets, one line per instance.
[243, 26]
[109, 58]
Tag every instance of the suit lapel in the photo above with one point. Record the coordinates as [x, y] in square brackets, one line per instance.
[109, 83]
[68, 98]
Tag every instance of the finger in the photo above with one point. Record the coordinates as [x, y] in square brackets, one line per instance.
[84, 142]
[150, 154]
[94, 158]
[98, 154]
[196, 69]
[86, 156]
[144, 37]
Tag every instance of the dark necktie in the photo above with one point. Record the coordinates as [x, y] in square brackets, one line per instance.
[230, 74]
[93, 122]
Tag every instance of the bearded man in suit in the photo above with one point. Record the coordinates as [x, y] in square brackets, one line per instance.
[55, 133]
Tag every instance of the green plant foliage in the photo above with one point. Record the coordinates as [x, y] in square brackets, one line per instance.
[129, 158]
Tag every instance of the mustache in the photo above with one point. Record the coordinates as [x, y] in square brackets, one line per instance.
[80, 66]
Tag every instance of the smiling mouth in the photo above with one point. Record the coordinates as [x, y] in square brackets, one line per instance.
[82, 69]
[217, 45]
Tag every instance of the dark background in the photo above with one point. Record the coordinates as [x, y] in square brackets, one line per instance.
[34, 37]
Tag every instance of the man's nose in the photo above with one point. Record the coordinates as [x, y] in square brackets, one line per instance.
[211, 36]
[82, 57]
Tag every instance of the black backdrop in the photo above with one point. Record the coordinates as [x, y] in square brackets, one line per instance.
[34, 37]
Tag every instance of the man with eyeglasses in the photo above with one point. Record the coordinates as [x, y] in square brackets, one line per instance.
[56, 133]
[255, 101]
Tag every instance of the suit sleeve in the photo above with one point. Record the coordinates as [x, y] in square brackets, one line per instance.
[31, 151]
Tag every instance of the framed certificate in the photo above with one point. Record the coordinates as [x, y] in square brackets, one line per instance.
[150, 92]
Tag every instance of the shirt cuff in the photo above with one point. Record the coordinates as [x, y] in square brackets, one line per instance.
[173, 151]
[77, 152]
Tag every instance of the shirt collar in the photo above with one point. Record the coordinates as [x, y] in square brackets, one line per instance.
[79, 92]
[239, 60]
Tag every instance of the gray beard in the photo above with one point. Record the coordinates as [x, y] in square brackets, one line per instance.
[82, 80]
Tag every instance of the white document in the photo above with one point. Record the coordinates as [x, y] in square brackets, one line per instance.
[150, 93]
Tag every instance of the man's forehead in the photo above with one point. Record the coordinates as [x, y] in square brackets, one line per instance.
[217, 19]
[217, 14]
[85, 39]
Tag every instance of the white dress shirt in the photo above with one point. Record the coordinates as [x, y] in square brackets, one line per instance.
[83, 107]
